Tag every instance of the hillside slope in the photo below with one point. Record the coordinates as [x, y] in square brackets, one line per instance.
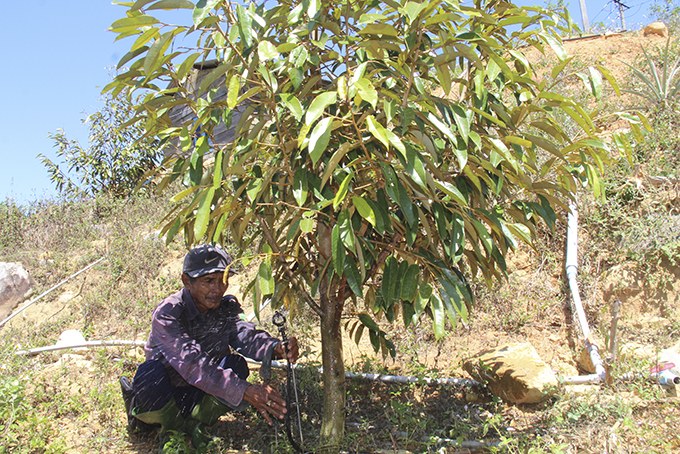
[70, 401]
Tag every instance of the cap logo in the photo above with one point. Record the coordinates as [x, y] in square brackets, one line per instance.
[208, 262]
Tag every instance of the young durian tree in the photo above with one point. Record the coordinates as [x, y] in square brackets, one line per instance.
[385, 152]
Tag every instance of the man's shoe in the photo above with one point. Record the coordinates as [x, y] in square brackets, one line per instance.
[134, 424]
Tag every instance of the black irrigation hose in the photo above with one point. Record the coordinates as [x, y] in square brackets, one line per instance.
[280, 321]
[287, 420]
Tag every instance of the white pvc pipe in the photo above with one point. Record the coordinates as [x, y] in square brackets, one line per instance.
[387, 378]
[571, 267]
[102, 343]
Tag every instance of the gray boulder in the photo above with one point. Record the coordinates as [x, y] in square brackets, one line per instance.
[15, 285]
[514, 373]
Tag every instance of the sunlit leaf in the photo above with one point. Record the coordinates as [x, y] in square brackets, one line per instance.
[364, 209]
[378, 131]
[267, 51]
[265, 278]
[300, 186]
[172, 4]
[318, 140]
[342, 190]
[317, 107]
[132, 23]
[367, 91]
[203, 213]
[293, 104]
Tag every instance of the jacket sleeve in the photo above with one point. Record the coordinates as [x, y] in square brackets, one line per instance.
[247, 340]
[185, 355]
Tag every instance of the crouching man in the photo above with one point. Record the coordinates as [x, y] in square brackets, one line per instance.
[194, 371]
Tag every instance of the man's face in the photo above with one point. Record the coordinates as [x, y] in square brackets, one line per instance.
[207, 291]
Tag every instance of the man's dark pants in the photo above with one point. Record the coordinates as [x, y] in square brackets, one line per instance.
[153, 389]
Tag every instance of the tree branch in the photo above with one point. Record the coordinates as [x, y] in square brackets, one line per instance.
[293, 278]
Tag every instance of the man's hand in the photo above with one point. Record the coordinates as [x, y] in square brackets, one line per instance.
[266, 400]
[293, 350]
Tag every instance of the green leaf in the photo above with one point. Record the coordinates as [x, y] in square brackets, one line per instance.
[244, 25]
[172, 4]
[346, 230]
[214, 74]
[268, 77]
[338, 250]
[265, 279]
[444, 76]
[186, 65]
[409, 283]
[217, 169]
[610, 78]
[203, 213]
[369, 18]
[353, 277]
[595, 82]
[555, 44]
[300, 186]
[461, 155]
[378, 131]
[368, 322]
[154, 56]
[396, 142]
[364, 209]
[334, 161]
[422, 299]
[267, 51]
[234, 91]
[438, 316]
[451, 191]
[342, 190]
[462, 122]
[130, 55]
[317, 107]
[202, 9]
[133, 23]
[307, 225]
[140, 3]
[408, 312]
[484, 236]
[367, 91]
[375, 340]
[318, 140]
[379, 29]
[390, 280]
[152, 32]
[293, 104]
[412, 10]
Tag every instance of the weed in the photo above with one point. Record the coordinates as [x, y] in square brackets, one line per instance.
[176, 443]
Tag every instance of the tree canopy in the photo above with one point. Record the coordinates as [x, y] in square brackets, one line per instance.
[386, 152]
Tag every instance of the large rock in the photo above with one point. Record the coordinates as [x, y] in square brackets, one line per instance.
[514, 373]
[15, 285]
[656, 28]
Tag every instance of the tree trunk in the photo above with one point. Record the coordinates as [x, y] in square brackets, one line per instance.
[333, 424]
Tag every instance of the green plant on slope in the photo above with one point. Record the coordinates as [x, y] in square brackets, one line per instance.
[114, 162]
[661, 86]
[668, 12]
[353, 180]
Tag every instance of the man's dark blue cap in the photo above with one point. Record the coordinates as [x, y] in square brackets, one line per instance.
[205, 259]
